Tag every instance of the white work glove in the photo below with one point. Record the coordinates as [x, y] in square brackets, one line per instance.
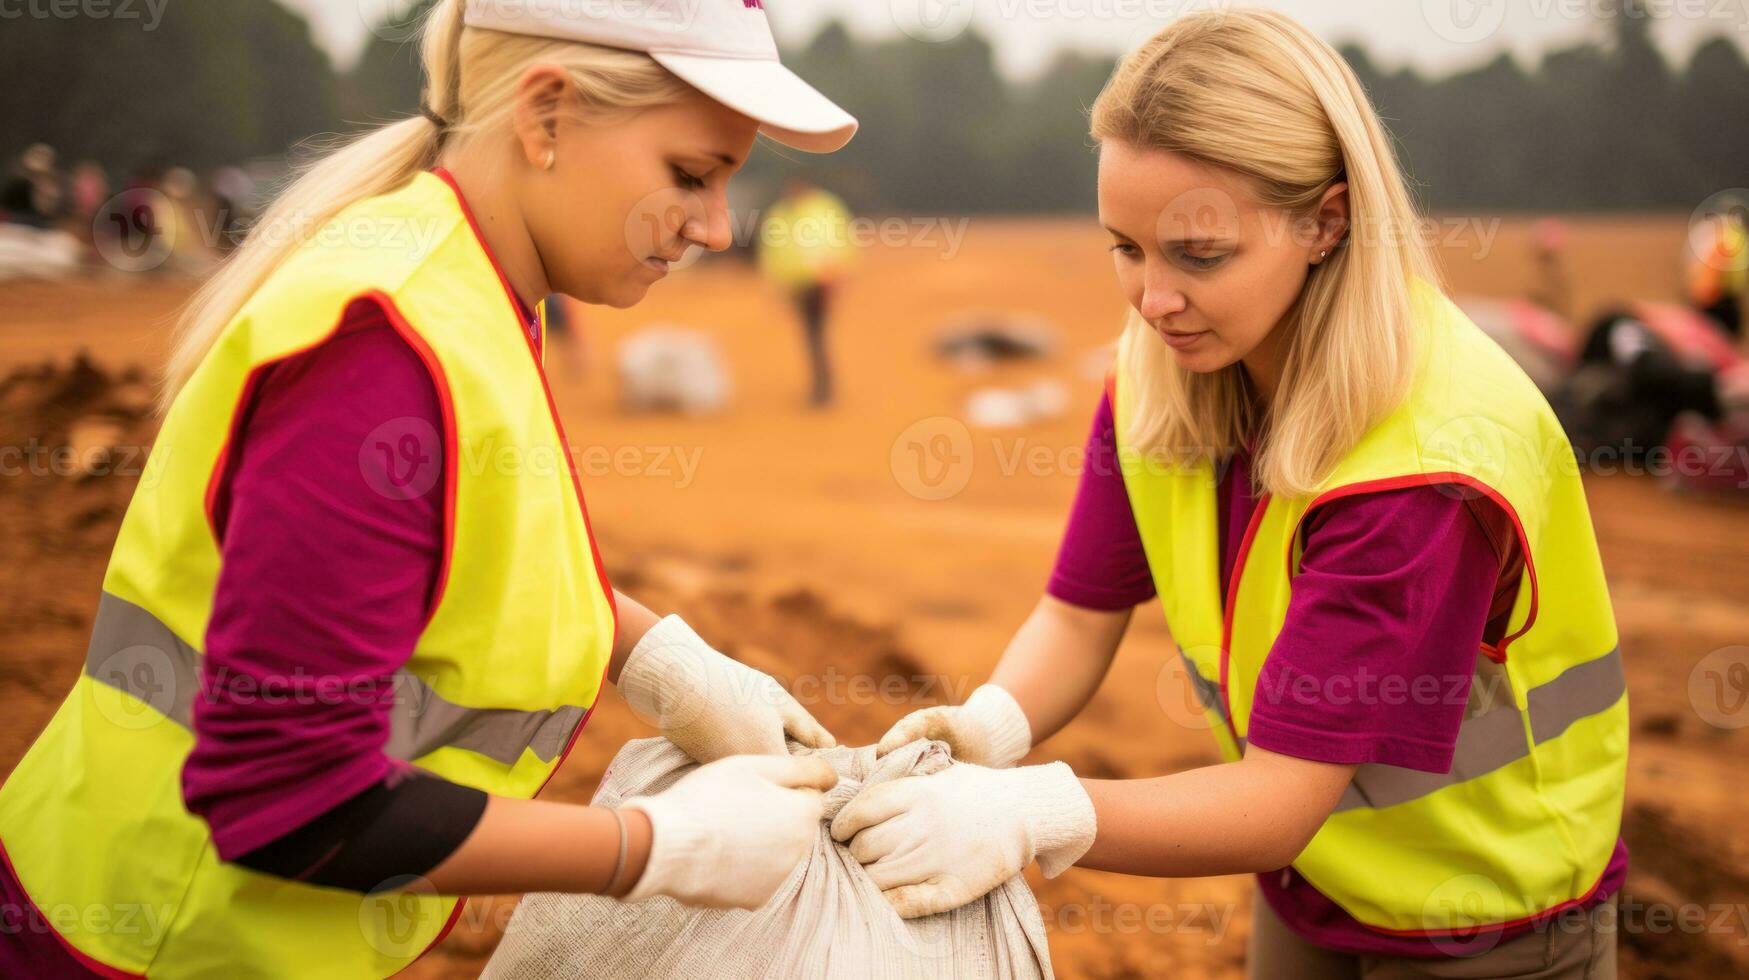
[934, 843]
[728, 834]
[710, 705]
[988, 730]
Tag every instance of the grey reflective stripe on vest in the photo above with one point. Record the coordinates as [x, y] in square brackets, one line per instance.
[1208, 693]
[422, 721]
[1496, 737]
[133, 651]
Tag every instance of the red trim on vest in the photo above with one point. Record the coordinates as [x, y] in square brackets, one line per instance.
[85, 959]
[1533, 918]
[461, 199]
[1494, 653]
[439, 380]
[1497, 654]
[452, 452]
[455, 916]
[571, 461]
[253, 381]
[1231, 602]
[451, 442]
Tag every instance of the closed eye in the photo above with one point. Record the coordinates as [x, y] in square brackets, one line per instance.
[687, 179]
[1200, 263]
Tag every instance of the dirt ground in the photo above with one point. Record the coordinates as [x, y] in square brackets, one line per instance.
[877, 555]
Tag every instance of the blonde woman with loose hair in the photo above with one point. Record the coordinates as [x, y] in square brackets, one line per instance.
[1373, 554]
[357, 618]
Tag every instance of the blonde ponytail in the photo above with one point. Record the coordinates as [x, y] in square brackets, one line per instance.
[1255, 93]
[470, 84]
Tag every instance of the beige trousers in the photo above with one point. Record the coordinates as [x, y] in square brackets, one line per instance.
[1575, 946]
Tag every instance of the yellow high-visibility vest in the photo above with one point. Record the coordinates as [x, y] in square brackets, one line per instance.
[806, 240]
[1527, 819]
[498, 685]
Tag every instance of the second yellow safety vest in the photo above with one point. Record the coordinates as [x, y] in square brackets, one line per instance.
[1527, 819]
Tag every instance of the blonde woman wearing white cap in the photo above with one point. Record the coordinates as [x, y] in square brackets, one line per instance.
[360, 552]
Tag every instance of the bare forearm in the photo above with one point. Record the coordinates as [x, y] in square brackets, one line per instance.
[535, 845]
[1056, 660]
[1254, 815]
[634, 621]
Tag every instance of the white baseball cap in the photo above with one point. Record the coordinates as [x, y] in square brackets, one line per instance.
[723, 48]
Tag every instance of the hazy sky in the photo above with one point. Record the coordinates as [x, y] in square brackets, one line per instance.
[1435, 34]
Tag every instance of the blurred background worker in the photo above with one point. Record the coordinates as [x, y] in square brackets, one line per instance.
[804, 246]
[564, 336]
[1718, 266]
[34, 193]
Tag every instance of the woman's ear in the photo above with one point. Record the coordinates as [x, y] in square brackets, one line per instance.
[1332, 219]
[540, 97]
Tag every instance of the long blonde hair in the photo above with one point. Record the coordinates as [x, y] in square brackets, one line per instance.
[471, 77]
[1256, 94]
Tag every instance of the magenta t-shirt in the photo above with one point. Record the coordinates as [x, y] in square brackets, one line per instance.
[1400, 583]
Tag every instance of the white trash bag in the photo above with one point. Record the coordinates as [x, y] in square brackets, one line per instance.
[827, 920]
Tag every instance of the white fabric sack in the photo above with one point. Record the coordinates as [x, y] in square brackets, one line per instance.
[827, 920]
[672, 369]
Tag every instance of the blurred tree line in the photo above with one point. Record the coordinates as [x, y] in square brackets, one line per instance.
[213, 82]
[1592, 127]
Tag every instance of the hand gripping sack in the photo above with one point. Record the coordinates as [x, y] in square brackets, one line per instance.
[827, 920]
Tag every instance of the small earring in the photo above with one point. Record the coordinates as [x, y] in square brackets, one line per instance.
[547, 162]
[1324, 254]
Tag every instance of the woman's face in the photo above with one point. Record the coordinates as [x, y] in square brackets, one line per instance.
[1207, 266]
[626, 197]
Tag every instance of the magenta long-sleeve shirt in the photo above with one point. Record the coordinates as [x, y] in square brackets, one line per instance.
[329, 561]
[1400, 583]
[329, 565]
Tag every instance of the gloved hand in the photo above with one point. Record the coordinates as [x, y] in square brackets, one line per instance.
[988, 730]
[728, 834]
[934, 843]
[710, 705]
